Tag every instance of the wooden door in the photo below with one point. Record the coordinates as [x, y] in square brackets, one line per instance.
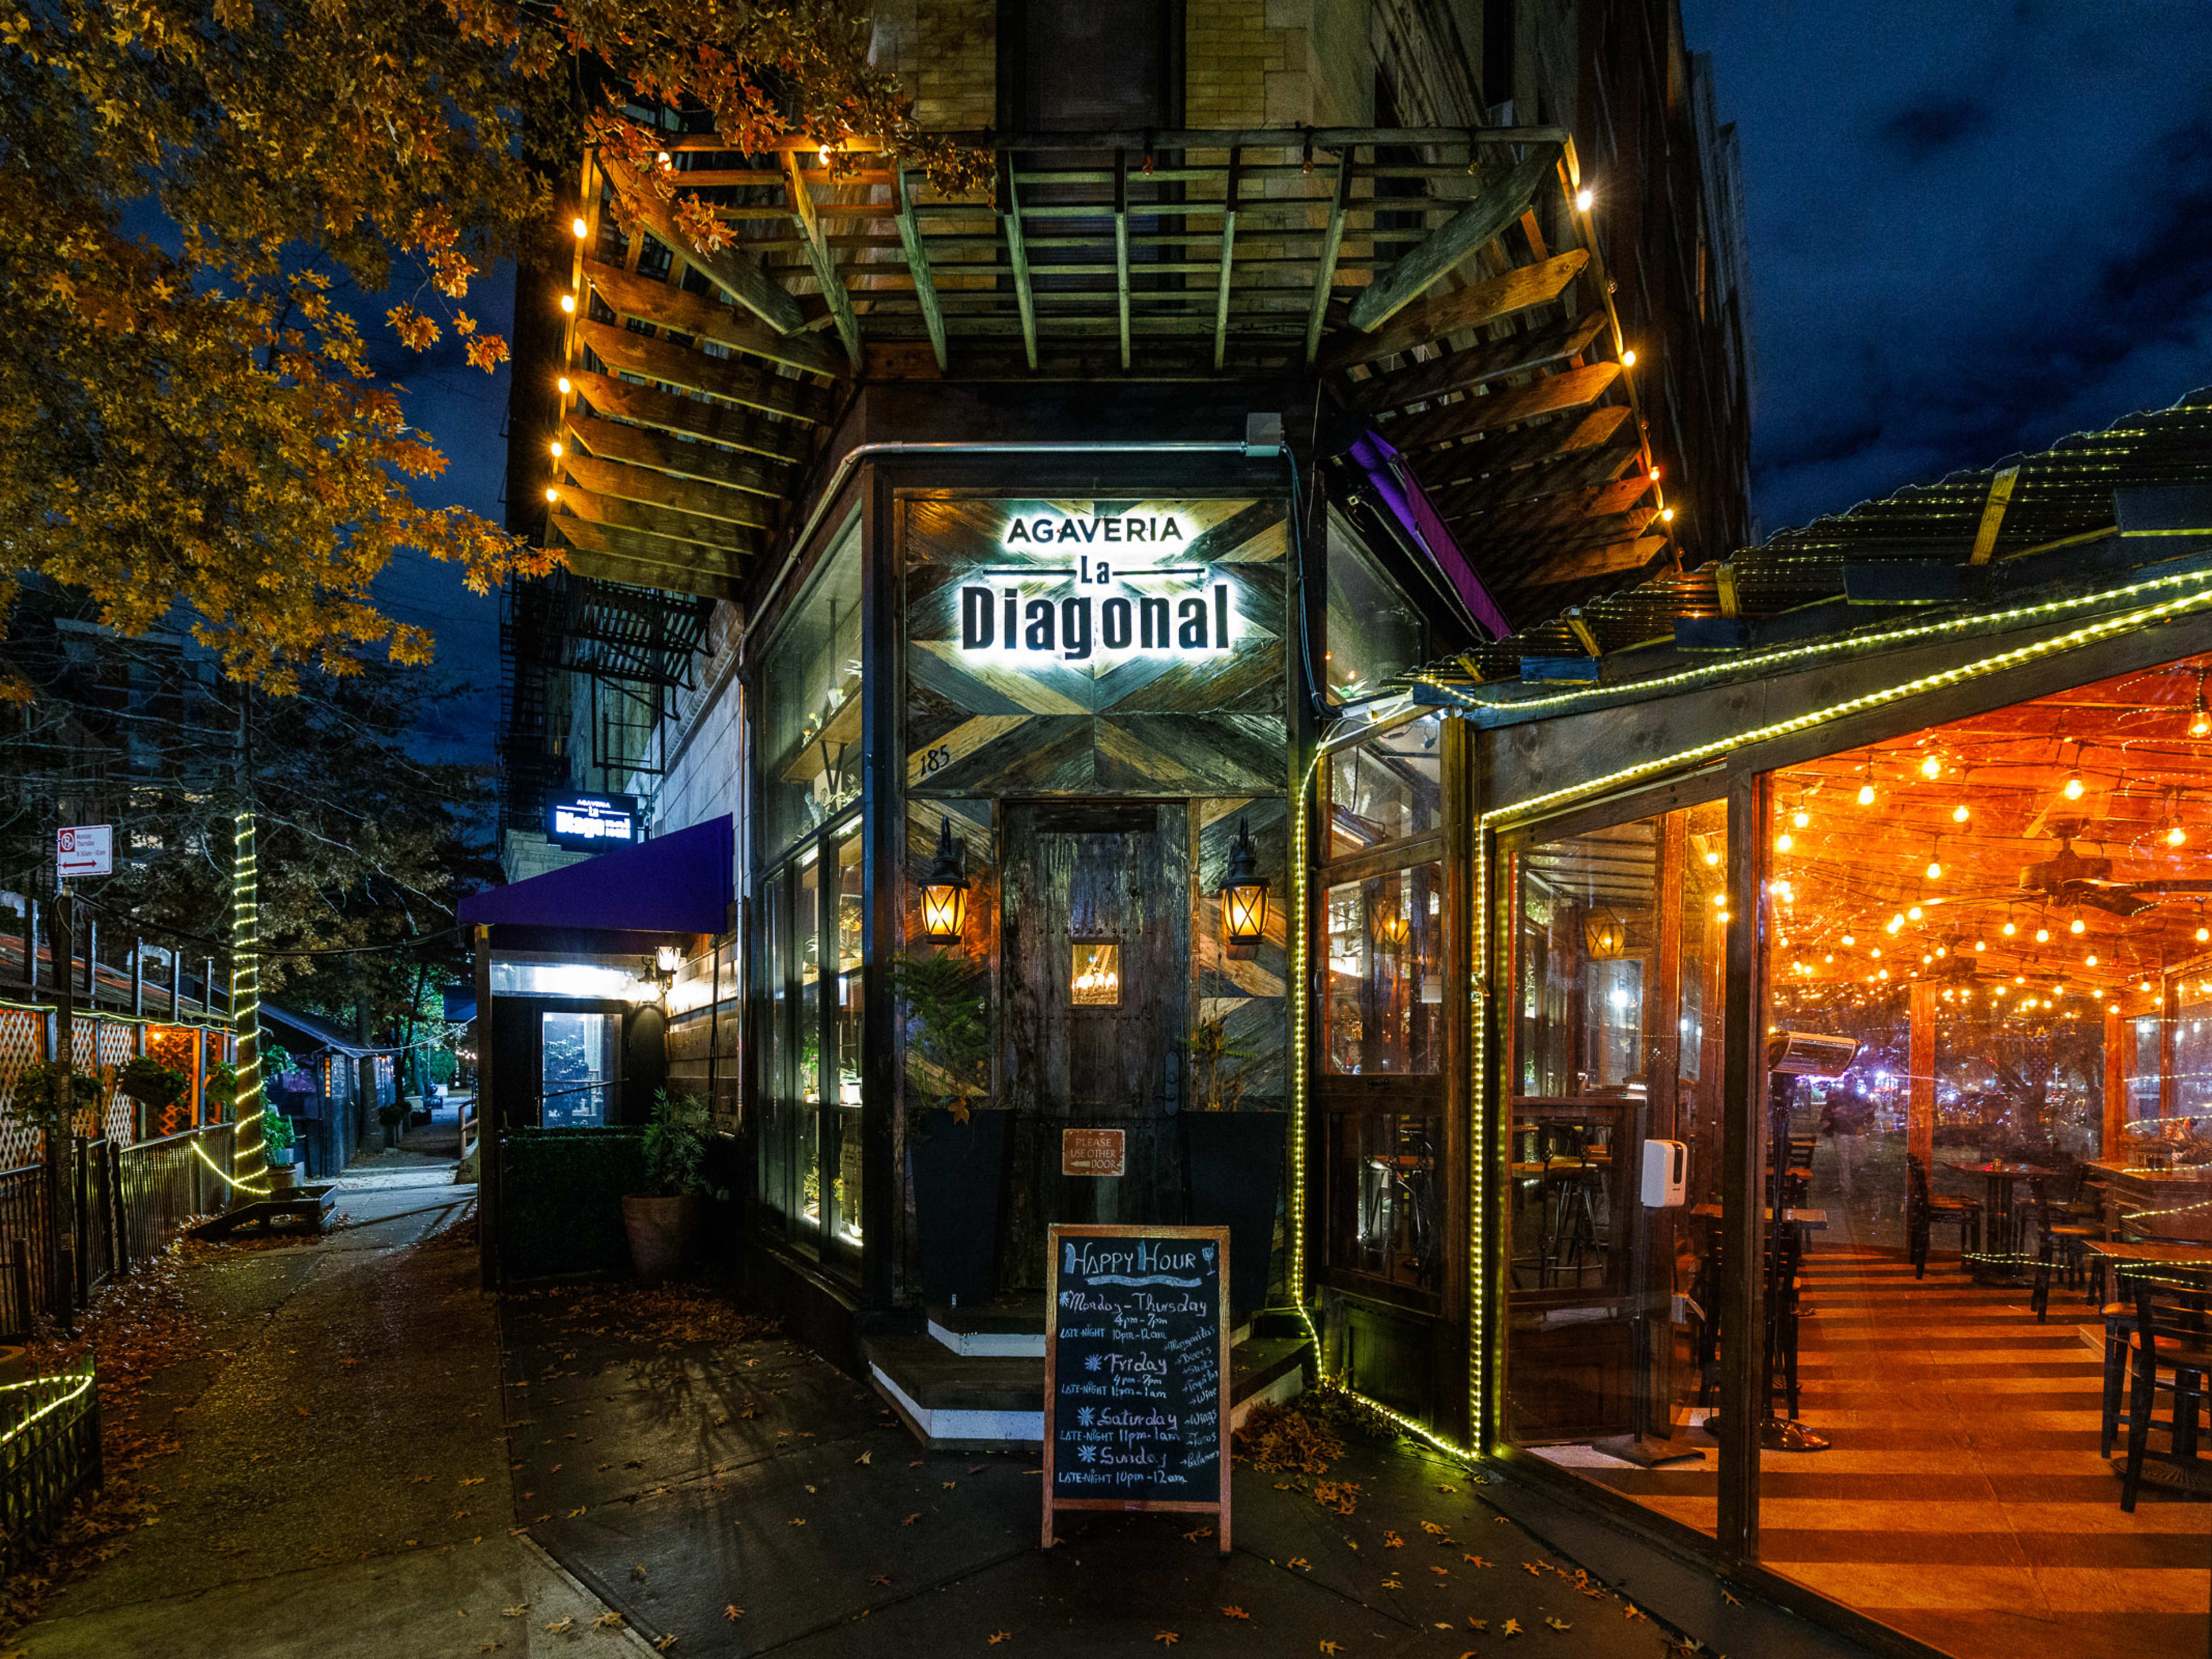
[1093, 890]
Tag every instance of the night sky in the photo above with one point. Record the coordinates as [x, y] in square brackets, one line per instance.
[1973, 229]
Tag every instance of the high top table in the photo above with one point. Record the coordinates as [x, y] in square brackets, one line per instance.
[1998, 1177]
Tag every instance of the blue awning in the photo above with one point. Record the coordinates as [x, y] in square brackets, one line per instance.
[682, 883]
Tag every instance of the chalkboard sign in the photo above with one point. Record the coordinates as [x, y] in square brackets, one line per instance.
[1136, 1372]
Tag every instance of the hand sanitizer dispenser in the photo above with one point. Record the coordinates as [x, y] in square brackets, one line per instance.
[1666, 1173]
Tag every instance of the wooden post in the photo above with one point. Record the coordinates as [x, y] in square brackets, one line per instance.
[1920, 1067]
[138, 982]
[61, 1131]
[92, 963]
[2119, 1059]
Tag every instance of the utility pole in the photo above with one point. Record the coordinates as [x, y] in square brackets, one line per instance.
[61, 1126]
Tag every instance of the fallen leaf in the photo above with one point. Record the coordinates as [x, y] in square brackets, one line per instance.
[732, 1612]
[798, 1521]
[1630, 1610]
[517, 1611]
[608, 1620]
[1430, 1527]
[1447, 1490]
[476, 1481]
[1300, 1562]
[561, 1626]
[1478, 1623]
[577, 1511]
[1558, 1623]
[998, 1636]
[1730, 1600]
[1392, 1583]
[1234, 1612]
[489, 1647]
[1166, 1637]
[881, 1579]
[1327, 1646]
[1474, 1560]
[1441, 1573]
[1532, 1570]
[1392, 1542]
[638, 1572]
[865, 1457]
[911, 1519]
[667, 1642]
[1510, 1627]
[1197, 1532]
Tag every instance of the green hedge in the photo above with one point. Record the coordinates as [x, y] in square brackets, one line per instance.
[560, 1192]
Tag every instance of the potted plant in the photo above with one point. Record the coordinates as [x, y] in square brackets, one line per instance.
[1232, 1160]
[664, 1223]
[954, 1150]
[279, 1148]
[154, 1087]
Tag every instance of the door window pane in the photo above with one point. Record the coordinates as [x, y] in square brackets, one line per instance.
[841, 1121]
[576, 1067]
[810, 682]
[1384, 1011]
[1372, 631]
[1388, 789]
[1386, 1205]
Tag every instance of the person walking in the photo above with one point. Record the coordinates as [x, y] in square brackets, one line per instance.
[1845, 1120]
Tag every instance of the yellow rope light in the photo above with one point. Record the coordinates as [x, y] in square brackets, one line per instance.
[54, 1405]
[259, 1191]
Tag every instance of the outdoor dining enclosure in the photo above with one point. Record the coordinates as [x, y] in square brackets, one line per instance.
[1972, 1095]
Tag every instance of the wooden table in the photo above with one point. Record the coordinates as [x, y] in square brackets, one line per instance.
[1998, 1177]
[2172, 1203]
[1817, 1220]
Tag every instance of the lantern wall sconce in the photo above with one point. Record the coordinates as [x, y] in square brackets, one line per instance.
[666, 961]
[1244, 895]
[1605, 932]
[944, 890]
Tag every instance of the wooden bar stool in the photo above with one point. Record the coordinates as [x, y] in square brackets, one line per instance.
[1923, 1210]
[2170, 1345]
[2057, 1244]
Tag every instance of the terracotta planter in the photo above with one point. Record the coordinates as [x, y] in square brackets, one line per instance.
[282, 1178]
[664, 1235]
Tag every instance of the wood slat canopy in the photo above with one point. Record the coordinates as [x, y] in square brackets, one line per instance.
[1438, 282]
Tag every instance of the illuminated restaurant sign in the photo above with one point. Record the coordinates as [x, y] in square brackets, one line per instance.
[1124, 603]
[590, 820]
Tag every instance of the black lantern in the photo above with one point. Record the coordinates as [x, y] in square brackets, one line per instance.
[1244, 892]
[944, 893]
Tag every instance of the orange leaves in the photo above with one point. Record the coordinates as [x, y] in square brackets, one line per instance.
[1234, 1612]
[416, 332]
[698, 223]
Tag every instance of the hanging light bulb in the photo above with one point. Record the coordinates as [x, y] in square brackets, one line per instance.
[1934, 870]
[1895, 923]
[1866, 794]
[2077, 926]
[1784, 841]
[2043, 936]
[2090, 960]
[569, 303]
[1712, 859]
[1959, 814]
[2201, 726]
[556, 449]
[1931, 767]
[1801, 818]
[1981, 945]
[1912, 914]
[563, 384]
[2009, 929]
[2176, 835]
[1583, 197]
[1628, 358]
[2074, 788]
[578, 225]
[1849, 940]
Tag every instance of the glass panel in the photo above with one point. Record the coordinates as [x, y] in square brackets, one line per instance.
[1372, 631]
[806, 915]
[777, 1058]
[1384, 1011]
[2005, 915]
[1386, 1216]
[1094, 975]
[1612, 1346]
[810, 680]
[840, 1122]
[1388, 788]
[577, 1069]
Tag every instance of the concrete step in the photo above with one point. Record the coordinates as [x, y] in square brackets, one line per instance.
[952, 1401]
[1011, 1327]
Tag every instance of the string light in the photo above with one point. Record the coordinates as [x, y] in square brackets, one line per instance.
[1981, 945]
[2043, 936]
[1866, 794]
[1931, 768]
[1628, 358]
[551, 494]
[1801, 818]
[1959, 814]
[569, 303]
[2009, 929]
[562, 383]
[1913, 914]
[1850, 940]
[1935, 871]
[2077, 926]
[1583, 197]
[1784, 841]
[2176, 835]
[2075, 787]
[556, 449]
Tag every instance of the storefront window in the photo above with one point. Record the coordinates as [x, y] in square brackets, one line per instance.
[576, 1066]
[1390, 788]
[1372, 631]
[1384, 1013]
[810, 682]
[1613, 1341]
[840, 1122]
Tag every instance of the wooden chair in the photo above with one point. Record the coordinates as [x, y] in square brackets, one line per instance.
[2170, 1347]
[2057, 1244]
[1924, 1210]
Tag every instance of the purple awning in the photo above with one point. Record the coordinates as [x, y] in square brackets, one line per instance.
[673, 883]
[1402, 492]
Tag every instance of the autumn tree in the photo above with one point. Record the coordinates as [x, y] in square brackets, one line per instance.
[192, 193]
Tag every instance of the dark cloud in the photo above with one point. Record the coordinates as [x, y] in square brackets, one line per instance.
[1931, 124]
[1973, 229]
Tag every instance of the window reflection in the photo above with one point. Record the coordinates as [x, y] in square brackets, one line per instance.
[1383, 1010]
[1388, 788]
[1385, 1219]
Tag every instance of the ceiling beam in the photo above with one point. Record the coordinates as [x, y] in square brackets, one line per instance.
[722, 423]
[1611, 560]
[614, 556]
[1431, 318]
[1500, 203]
[1485, 360]
[695, 371]
[708, 463]
[629, 295]
[1578, 469]
[917, 264]
[1546, 513]
[736, 270]
[1010, 216]
[1121, 247]
[620, 482]
[674, 526]
[1332, 243]
[827, 277]
[1228, 261]
[1508, 405]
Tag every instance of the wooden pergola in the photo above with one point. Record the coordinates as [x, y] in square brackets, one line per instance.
[1438, 282]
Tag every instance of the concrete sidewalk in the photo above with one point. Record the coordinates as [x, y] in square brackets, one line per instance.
[339, 1489]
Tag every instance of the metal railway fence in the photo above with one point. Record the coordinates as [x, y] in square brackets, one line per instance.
[49, 1452]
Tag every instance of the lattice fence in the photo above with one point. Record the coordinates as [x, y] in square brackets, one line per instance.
[119, 1046]
[22, 1039]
